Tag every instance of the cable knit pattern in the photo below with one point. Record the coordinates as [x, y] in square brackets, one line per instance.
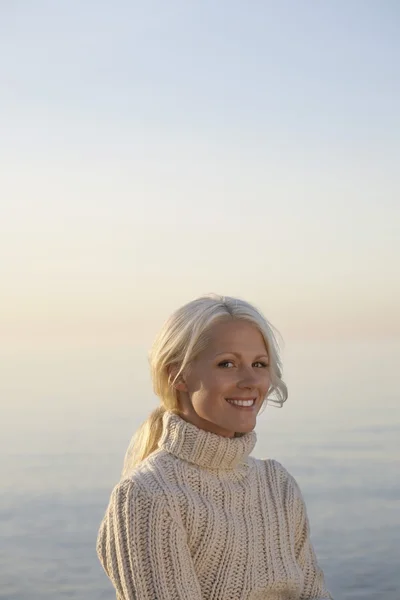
[200, 519]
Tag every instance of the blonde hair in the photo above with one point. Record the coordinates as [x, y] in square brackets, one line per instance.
[183, 336]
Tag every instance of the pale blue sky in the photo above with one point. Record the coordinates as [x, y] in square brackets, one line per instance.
[154, 151]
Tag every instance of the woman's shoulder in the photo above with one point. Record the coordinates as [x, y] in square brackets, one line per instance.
[146, 478]
[277, 475]
[273, 466]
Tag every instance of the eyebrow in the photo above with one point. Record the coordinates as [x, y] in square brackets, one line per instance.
[239, 355]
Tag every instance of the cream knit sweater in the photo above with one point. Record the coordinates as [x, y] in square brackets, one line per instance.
[200, 519]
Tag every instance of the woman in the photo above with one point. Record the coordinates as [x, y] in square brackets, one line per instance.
[195, 517]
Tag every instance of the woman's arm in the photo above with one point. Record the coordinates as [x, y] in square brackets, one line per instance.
[314, 581]
[143, 550]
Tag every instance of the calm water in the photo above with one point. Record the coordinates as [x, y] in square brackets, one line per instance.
[67, 419]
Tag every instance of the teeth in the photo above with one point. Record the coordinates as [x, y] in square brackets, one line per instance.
[242, 402]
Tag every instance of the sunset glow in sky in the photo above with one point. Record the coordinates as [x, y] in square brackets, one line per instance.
[155, 151]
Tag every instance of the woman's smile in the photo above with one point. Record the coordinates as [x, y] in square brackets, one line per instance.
[244, 403]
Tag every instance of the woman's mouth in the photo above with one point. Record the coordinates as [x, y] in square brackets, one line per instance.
[242, 403]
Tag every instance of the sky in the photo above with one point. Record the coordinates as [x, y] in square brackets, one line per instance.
[152, 152]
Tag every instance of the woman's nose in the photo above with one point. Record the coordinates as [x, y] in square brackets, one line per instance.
[247, 378]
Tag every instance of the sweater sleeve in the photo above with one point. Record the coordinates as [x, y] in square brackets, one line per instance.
[314, 581]
[143, 549]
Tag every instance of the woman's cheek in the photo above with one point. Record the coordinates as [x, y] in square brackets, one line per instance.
[226, 380]
[267, 382]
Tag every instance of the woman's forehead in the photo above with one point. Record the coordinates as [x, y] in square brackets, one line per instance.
[235, 335]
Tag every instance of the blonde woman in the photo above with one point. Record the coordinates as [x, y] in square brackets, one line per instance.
[195, 517]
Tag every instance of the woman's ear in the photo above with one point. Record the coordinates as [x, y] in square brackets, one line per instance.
[180, 383]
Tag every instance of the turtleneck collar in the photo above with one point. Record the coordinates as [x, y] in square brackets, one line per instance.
[203, 448]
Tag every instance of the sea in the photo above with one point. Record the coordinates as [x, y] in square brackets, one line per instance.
[68, 414]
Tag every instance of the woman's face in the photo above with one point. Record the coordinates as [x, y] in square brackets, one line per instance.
[233, 366]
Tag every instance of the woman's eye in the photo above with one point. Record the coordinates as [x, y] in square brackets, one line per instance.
[227, 364]
[224, 364]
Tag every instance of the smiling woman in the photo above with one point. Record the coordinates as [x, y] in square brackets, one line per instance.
[224, 386]
[194, 515]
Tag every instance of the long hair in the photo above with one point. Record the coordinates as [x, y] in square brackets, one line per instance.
[183, 336]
